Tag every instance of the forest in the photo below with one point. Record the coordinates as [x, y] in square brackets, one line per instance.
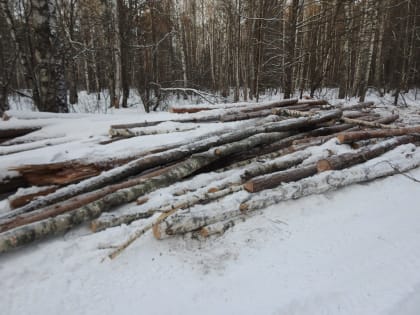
[50, 50]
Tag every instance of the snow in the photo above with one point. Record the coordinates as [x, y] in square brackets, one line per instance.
[351, 251]
[354, 251]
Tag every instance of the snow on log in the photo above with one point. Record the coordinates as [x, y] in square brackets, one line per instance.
[404, 158]
[272, 180]
[108, 220]
[365, 123]
[358, 106]
[279, 164]
[171, 156]
[345, 160]
[349, 137]
[165, 128]
[217, 228]
[399, 160]
[10, 133]
[25, 195]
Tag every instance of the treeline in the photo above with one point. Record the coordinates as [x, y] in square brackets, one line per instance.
[55, 48]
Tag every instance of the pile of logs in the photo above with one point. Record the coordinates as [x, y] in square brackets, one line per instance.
[273, 152]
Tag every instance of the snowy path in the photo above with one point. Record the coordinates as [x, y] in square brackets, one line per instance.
[354, 251]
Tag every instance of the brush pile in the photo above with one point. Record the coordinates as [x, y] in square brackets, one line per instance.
[204, 186]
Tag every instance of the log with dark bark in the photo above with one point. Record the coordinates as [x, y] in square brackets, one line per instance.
[349, 137]
[10, 184]
[22, 235]
[10, 133]
[171, 156]
[349, 159]
[272, 180]
[72, 203]
[184, 222]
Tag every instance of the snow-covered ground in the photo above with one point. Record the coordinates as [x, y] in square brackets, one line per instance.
[352, 251]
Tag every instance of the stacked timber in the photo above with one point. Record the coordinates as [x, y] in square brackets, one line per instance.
[267, 153]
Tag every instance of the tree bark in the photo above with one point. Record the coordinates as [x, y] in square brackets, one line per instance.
[275, 179]
[349, 159]
[355, 136]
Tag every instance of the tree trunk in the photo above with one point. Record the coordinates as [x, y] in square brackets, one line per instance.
[355, 136]
[349, 159]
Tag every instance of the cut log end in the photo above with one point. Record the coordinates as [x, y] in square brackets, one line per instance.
[142, 200]
[341, 138]
[323, 166]
[249, 186]
[204, 232]
[243, 207]
[156, 231]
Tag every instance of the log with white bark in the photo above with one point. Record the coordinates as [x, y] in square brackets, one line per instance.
[358, 106]
[279, 164]
[404, 158]
[33, 145]
[177, 154]
[217, 228]
[73, 203]
[28, 233]
[366, 123]
[346, 160]
[136, 132]
[349, 137]
[108, 220]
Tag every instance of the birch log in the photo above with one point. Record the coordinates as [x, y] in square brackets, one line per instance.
[349, 159]
[184, 222]
[349, 137]
[174, 155]
[108, 220]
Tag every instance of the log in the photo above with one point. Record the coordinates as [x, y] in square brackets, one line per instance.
[72, 203]
[280, 164]
[355, 136]
[366, 123]
[184, 222]
[217, 228]
[171, 156]
[127, 133]
[10, 133]
[109, 220]
[10, 184]
[246, 115]
[289, 112]
[23, 197]
[136, 235]
[17, 148]
[25, 234]
[388, 120]
[358, 106]
[349, 159]
[273, 180]
[409, 158]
